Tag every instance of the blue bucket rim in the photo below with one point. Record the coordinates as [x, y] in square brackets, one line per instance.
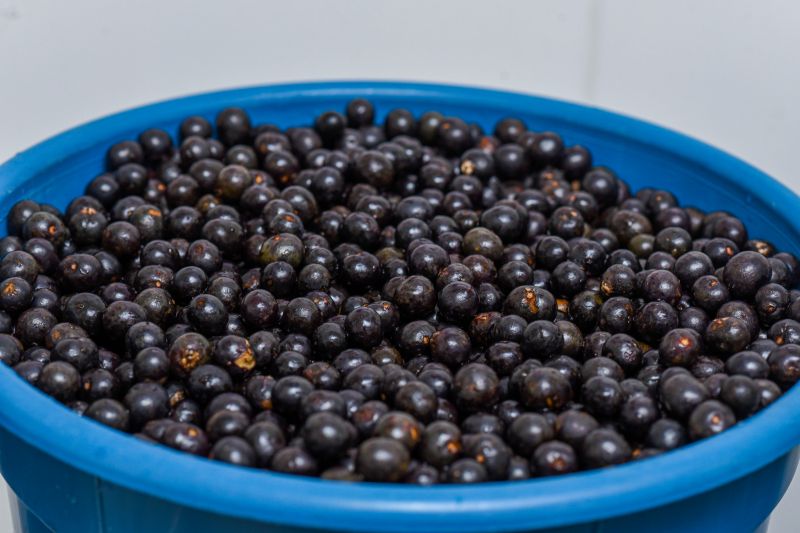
[309, 502]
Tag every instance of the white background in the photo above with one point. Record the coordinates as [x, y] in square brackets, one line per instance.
[726, 72]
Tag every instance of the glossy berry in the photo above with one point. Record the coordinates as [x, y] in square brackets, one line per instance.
[709, 418]
[382, 459]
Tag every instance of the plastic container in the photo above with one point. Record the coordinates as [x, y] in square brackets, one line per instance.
[71, 474]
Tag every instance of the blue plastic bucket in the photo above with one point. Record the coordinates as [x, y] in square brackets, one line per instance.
[72, 474]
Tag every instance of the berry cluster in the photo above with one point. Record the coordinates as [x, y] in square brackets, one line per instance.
[417, 301]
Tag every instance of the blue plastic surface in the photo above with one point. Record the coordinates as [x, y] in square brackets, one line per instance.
[71, 474]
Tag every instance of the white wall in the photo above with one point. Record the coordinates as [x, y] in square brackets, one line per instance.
[725, 72]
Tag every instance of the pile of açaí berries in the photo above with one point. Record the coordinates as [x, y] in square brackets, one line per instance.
[416, 301]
